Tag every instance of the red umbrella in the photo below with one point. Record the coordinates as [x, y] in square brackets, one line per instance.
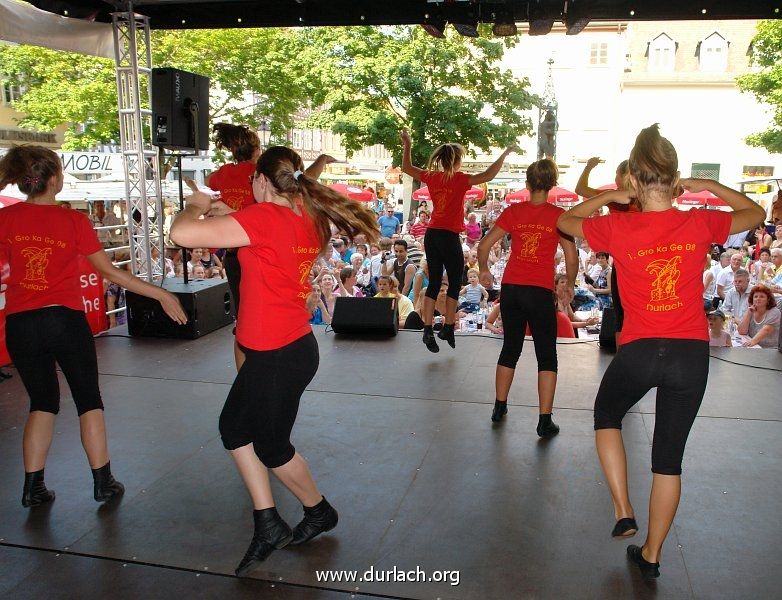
[703, 198]
[474, 193]
[8, 201]
[556, 195]
[352, 192]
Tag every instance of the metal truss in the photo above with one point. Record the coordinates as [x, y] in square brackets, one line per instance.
[133, 60]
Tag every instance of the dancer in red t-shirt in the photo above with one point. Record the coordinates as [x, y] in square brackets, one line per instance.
[447, 187]
[528, 288]
[665, 339]
[45, 320]
[279, 238]
[232, 180]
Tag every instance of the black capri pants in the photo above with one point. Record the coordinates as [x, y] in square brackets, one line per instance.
[520, 305]
[679, 370]
[617, 301]
[264, 400]
[443, 249]
[38, 340]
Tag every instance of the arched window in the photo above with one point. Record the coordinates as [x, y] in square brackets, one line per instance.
[661, 53]
[712, 53]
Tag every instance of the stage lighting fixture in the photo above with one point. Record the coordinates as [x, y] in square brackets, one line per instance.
[467, 29]
[541, 17]
[435, 26]
[575, 17]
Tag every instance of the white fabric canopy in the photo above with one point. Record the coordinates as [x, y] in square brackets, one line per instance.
[24, 24]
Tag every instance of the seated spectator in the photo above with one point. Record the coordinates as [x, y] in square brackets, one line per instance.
[737, 298]
[761, 321]
[602, 281]
[474, 293]
[414, 252]
[340, 251]
[389, 224]
[725, 278]
[388, 287]
[418, 229]
[763, 269]
[718, 337]
[195, 259]
[565, 295]
[401, 267]
[199, 272]
[175, 256]
[473, 230]
[210, 260]
[328, 293]
[420, 281]
[347, 283]
[494, 319]
[320, 315]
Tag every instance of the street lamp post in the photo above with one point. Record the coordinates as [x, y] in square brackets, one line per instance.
[265, 130]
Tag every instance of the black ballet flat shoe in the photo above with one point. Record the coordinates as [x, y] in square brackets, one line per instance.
[105, 486]
[429, 341]
[547, 429]
[648, 570]
[626, 527]
[446, 334]
[317, 519]
[35, 492]
[271, 533]
[500, 410]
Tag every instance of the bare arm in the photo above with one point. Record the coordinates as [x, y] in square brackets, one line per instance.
[170, 303]
[495, 234]
[407, 162]
[708, 277]
[746, 214]
[493, 170]
[743, 326]
[571, 221]
[409, 274]
[190, 231]
[316, 168]
[582, 187]
[571, 258]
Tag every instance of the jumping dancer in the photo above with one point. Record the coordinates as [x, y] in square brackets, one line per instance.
[45, 320]
[665, 340]
[447, 187]
[528, 287]
[279, 238]
[232, 180]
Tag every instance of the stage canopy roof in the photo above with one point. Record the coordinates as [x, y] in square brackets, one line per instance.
[188, 14]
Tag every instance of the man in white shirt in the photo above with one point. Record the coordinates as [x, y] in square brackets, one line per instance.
[725, 278]
[737, 298]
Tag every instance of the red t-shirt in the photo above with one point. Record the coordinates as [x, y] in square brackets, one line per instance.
[42, 244]
[660, 256]
[275, 275]
[233, 183]
[448, 199]
[534, 239]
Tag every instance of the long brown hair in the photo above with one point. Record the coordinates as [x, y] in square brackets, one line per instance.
[653, 160]
[445, 157]
[240, 140]
[29, 167]
[280, 165]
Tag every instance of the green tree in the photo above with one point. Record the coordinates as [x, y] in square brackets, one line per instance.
[766, 84]
[380, 79]
[80, 91]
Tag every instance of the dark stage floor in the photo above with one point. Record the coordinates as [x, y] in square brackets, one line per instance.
[400, 442]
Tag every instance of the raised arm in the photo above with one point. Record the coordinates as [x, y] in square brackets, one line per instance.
[746, 213]
[190, 230]
[582, 187]
[570, 222]
[493, 170]
[407, 162]
[316, 168]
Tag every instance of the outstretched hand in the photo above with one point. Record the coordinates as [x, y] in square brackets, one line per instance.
[593, 162]
[173, 308]
[405, 136]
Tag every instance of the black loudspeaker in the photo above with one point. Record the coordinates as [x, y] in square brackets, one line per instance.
[365, 315]
[607, 337]
[207, 303]
[180, 110]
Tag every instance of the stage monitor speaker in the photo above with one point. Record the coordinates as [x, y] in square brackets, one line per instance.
[207, 303]
[180, 110]
[607, 337]
[376, 316]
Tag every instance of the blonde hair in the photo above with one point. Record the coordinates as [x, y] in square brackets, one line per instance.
[653, 161]
[445, 157]
[29, 167]
[473, 272]
[281, 166]
[542, 175]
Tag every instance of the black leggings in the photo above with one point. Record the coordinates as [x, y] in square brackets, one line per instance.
[522, 304]
[619, 312]
[679, 370]
[233, 273]
[40, 339]
[443, 249]
[263, 402]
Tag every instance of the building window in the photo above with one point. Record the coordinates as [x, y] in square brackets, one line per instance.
[757, 171]
[661, 53]
[11, 93]
[706, 171]
[713, 53]
[598, 54]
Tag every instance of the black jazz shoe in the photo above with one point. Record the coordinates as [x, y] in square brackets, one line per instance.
[317, 519]
[648, 570]
[35, 492]
[271, 533]
[626, 527]
[446, 334]
[500, 410]
[105, 486]
[429, 341]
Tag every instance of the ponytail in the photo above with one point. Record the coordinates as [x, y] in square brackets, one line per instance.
[284, 169]
[445, 157]
[240, 140]
[29, 167]
[653, 160]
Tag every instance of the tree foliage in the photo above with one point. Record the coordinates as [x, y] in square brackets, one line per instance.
[766, 84]
[380, 79]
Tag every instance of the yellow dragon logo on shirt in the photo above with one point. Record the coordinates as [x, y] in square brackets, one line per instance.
[666, 275]
[529, 244]
[37, 262]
